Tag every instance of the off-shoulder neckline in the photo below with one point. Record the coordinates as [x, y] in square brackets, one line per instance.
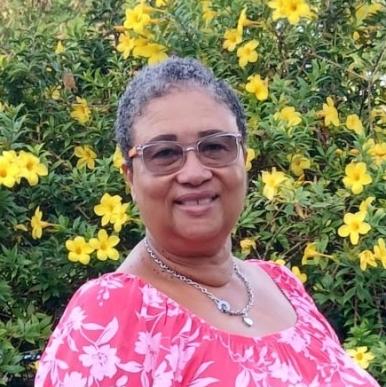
[203, 323]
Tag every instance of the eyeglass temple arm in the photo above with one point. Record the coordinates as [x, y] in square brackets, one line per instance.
[133, 152]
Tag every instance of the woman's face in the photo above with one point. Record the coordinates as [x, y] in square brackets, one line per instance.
[196, 203]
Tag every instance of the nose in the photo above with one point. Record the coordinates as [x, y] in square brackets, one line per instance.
[193, 172]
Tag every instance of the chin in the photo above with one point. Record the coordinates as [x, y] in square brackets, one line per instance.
[199, 232]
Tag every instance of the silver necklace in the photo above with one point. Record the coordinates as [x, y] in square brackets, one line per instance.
[222, 305]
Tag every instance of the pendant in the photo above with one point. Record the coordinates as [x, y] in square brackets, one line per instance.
[223, 306]
[247, 321]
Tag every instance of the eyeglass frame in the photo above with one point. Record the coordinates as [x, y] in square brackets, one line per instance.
[137, 150]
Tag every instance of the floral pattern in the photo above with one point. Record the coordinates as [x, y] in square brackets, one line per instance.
[120, 331]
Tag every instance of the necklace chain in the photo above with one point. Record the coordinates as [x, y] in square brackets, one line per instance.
[221, 304]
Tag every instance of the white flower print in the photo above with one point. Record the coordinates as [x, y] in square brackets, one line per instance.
[74, 379]
[105, 285]
[178, 358]
[161, 377]
[295, 339]
[75, 319]
[151, 297]
[102, 360]
[153, 342]
[148, 346]
[285, 372]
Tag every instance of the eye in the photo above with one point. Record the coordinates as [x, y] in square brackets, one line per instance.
[216, 147]
[162, 153]
[165, 153]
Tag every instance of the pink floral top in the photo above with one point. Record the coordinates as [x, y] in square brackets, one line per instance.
[120, 331]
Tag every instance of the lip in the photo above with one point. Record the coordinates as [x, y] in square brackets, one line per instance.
[195, 196]
[197, 203]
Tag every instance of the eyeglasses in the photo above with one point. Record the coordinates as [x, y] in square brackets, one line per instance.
[165, 157]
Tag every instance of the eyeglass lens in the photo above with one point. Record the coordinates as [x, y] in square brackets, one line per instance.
[214, 151]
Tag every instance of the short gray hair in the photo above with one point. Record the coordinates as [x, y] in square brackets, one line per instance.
[157, 81]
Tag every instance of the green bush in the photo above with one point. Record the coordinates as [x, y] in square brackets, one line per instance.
[313, 82]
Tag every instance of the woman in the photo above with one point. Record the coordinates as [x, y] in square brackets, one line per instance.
[182, 310]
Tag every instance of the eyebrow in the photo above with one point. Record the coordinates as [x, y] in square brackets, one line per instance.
[173, 137]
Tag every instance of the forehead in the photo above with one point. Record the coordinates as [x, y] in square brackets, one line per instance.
[183, 115]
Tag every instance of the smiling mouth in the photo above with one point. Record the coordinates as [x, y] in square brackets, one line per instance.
[197, 202]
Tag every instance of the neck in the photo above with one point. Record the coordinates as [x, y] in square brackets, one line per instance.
[214, 268]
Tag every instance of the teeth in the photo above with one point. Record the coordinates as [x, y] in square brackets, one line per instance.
[197, 202]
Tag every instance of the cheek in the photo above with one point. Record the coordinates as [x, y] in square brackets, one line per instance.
[237, 181]
[149, 193]
[235, 190]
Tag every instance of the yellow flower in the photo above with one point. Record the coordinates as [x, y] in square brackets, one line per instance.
[356, 177]
[363, 11]
[301, 276]
[161, 3]
[380, 251]
[243, 21]
[376, 151]
[278, 8]
[104, 246]
[119, 217]
[79, 250]
[13, 158]
[9, 172]
[293, 10]
[353, 122]
[86, 156]
[329, 113]
[251, 155]
[279, 261]
[31, 168]
[153, 51]
[80, 111]
[55, 93]
[208, 13]
[38, 224]
[257, 86]
[246, 245]
[367, 257]
[289, 115]
[299, 163]
[272, 181]
[125, 45]
[59, 48]
[139, 44]
[231, 39]
[118, 159]
[365, 204]
[309, 252]
[296, 9]
[107, 207]
[137, 19]
[361, 356]
[354, 225]
[247, 53]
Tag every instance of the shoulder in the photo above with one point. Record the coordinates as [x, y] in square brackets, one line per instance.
[296, 293]
[282, 276]
[104, 320]
[106, 291]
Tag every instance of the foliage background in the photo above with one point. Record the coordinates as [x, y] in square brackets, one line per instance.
[337, 53]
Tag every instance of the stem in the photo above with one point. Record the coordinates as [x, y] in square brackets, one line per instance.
[371, 82]
[344, 69]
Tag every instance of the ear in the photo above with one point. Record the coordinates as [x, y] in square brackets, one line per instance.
[128, 176]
